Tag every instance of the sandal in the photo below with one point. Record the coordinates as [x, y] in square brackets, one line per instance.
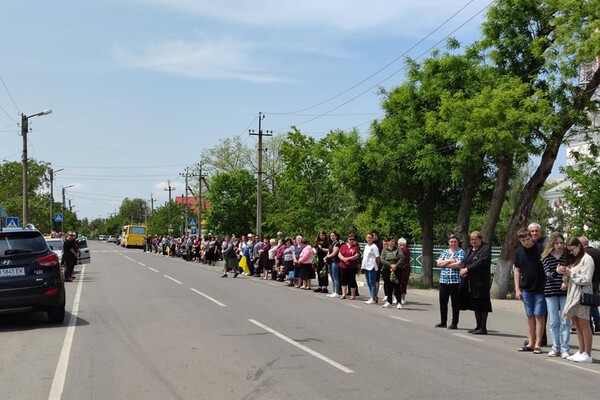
[537, 350]
[525, 348]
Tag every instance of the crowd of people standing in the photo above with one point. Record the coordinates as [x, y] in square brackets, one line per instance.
[296, 261]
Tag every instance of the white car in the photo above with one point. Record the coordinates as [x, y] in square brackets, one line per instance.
[56, 245]
[102, 237]
[112, 239]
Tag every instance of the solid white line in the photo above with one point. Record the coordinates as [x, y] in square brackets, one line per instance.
[142, 264]
[468, 337]
[568, 364]
[304, 348]
[354, 306]
[60, 374]
[173, 279]
[129, 258]
[152, 269]
[217, 302]
[400, 318]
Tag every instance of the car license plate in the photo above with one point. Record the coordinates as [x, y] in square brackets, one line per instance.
[12, 272]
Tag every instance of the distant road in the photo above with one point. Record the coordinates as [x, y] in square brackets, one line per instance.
[150, 327]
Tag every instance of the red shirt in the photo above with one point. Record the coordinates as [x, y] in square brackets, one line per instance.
[349, 251]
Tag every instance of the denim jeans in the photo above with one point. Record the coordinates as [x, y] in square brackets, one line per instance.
[334, 272]
[371, 277]
[560, 328]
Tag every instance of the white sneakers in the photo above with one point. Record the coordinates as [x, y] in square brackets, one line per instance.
[370, 301]
[403, 302]
[334, 294]
[581, 358]
[399, 307]
[553, 353]
[387, 305]
[565, 354]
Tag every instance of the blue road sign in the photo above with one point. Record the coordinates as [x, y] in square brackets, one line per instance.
[192, 222]
[12, 222]
[194, 231]
[58, 217]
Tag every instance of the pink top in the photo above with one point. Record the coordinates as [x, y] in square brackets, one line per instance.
[306, 255]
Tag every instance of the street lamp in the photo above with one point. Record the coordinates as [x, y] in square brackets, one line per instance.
[62, 226]
[24, 130]
[52, 173]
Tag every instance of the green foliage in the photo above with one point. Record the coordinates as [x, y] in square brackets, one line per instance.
[232, 198]
[133, 211]
[583, 197]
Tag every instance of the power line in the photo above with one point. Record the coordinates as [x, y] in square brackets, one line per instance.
[9, 95]
[387, 65]
[395, 72]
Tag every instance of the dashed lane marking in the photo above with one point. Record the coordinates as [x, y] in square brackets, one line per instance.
[171, 278]
[304, 348]
[217, 302]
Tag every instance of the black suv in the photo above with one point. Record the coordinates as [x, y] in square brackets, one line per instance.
[30, 275]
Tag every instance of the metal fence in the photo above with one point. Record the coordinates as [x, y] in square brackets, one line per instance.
[416, 255]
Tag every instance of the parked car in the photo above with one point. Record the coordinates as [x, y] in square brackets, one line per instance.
[102, 237]
[112, 239]
[30, 274]
[56, 245]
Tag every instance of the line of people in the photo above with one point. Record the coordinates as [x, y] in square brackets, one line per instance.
[297, 263]
[549, 277]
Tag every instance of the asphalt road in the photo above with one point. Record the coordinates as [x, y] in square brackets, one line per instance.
[147, 327]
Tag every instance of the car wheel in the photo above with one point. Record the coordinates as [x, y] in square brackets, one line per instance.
[56, 315]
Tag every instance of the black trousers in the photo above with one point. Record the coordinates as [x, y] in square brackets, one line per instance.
[449, 291]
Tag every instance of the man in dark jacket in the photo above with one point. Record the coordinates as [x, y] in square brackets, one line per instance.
[595, 254]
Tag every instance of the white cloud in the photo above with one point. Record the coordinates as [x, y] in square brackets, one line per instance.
[224, 58]
[346, 15]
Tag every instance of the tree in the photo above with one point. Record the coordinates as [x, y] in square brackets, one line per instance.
[583, 197]
[543, 42]
[232, 199]
[11, 195]
[133, 211]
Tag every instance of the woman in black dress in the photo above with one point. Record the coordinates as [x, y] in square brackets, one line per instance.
[476, 271]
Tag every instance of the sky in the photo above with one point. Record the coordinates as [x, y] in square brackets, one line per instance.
[139, 88]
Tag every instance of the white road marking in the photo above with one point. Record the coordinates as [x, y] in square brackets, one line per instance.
[400, 318]
[468, 337]
[171, 278]
[142, 264]
[217, 302]
[354, 306]
[58, 382]
[572, 364]
[304, 348]
[152, 269]
[129, 258]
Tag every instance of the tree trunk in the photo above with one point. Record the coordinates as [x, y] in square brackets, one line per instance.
[532, 189]
[466, 205]
[505, 167]
[427, 218]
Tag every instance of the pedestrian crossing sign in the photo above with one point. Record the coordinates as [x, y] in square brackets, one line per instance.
[12, 222]
[58, 217]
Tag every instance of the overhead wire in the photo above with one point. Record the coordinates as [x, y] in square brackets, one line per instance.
[396, 71]
[387, 65]
[10, 95]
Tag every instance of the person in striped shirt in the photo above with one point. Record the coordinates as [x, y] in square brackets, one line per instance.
[554, 254]
[450, 263]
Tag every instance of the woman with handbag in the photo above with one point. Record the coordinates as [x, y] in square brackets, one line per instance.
[577, 277]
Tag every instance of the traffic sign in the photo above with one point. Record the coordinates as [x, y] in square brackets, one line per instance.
[192, 222]
[12, 222]
[194, 231]
[3, 213]
[58, 217]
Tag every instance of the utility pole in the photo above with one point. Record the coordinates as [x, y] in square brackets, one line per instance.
[200, 177]
[151, 204]
[260, 172]
[185, 219]
[24, 131]
[62, 224]
[52, 173]
[169, 189]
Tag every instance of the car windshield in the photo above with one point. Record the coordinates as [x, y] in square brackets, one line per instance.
[16, 242]
[55, 245]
